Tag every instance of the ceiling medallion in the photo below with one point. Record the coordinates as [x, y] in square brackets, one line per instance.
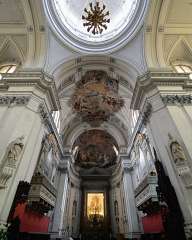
[96, 18]
[96, 97]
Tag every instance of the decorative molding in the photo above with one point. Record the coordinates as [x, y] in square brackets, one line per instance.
[14, 100]
[177, 99]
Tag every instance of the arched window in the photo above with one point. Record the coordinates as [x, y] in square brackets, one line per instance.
[74, 210]
[7, 68]
[56, 118]
[116, 208]
[134, 118]
[183, 68]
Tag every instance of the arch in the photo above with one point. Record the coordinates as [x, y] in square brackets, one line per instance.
[77, 127]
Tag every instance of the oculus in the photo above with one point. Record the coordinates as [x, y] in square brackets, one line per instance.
[96, 97]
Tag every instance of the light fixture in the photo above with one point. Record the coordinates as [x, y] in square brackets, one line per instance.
[96, 18]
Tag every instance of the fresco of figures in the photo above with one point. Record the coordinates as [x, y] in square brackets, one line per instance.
[95, 148]
[96, 97]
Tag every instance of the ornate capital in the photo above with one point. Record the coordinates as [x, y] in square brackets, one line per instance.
[14, 100]
[177, 99]
[126, 164]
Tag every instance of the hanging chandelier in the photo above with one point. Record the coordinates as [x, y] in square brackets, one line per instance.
[96, 18]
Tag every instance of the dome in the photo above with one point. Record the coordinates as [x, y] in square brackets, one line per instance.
[70, 13]
[66, 20]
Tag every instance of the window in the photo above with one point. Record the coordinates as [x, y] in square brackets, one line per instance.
[183, 68]
[56, 118]
[134, 118]
[8, 68]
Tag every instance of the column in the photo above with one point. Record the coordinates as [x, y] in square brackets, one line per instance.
[60, 207]
[133, 229]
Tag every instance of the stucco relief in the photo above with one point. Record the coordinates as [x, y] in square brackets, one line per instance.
[9, 161]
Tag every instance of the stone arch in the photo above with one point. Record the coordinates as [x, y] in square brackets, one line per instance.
[76, 128]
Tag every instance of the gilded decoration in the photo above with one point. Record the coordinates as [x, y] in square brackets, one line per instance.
[96, 97]
[95, 207]
[95, 148]
[96, 18]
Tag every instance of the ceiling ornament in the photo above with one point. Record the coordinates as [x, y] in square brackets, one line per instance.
[96, 97]
[96, 18]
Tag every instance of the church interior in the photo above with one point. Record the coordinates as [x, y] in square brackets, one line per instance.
[95, 119]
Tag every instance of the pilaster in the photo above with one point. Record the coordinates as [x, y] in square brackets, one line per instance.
[132, 229]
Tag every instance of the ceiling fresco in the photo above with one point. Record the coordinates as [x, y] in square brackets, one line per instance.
[95, 148]
[96, 97]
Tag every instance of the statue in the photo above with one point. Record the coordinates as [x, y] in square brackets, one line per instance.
[181, 163]
[177, 152]
[9, 160]
[14, 151]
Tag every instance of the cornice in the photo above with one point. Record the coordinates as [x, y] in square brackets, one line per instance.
[154, 78]
[36, 78]
[14, 100]
[177, 99]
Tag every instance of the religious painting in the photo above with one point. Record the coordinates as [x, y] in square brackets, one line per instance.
[96, 97]
[95, 206]
[95, 148]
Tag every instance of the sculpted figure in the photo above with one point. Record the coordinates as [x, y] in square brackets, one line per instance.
[15, 151]
[9, 161]
[177, 153]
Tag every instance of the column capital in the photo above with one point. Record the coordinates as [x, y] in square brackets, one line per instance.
[64, 165]
[126, 164]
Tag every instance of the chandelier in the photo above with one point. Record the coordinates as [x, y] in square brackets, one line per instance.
[96, 18]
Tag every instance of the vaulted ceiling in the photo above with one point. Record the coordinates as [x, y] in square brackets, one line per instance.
[22, 32]
[168, 37]
[165, 37]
